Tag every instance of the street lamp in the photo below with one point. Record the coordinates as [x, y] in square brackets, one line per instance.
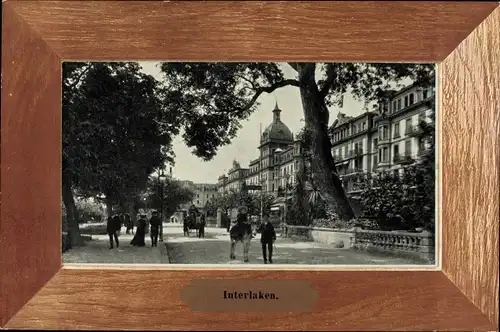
[285, 212]
[261, 198]
[161, 179]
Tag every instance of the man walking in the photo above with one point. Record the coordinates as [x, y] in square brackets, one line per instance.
[112, 227]
[201, 226]
[155, 223]
[129, 224]
[267, 238]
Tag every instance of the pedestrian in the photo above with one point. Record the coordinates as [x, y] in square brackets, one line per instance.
[140, 233]
[129, 224]
[112, 228]
[155, 223]
[201, 229]
[267, 238]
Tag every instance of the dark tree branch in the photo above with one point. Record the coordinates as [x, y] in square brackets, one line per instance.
[294, 65]
[77, 80]
[269, 89]
[254, 87]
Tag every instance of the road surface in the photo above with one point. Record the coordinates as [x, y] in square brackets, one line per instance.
[214, 249]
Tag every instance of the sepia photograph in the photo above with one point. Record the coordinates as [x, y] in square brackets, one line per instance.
[249, 163]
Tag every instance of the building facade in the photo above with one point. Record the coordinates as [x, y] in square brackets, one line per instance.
[203, 193]
[280, 154]
[387, 140]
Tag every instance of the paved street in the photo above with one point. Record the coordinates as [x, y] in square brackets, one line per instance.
[96, 251]
[214, 249]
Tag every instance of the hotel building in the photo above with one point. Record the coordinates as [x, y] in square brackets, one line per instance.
[280, 154]
[387, 140]
[203, 192]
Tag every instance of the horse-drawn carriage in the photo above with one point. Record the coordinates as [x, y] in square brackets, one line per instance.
[194, 221]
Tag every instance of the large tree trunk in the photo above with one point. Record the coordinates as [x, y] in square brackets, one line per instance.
[132, 211]
[69, 203]
[316, 116]
[109, 206]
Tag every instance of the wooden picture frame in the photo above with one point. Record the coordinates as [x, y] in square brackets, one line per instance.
[462, 37]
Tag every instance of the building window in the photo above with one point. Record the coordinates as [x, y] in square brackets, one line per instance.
[421, 146]
[421, 117]
[396, 151]
[358, 163]
[375, 143]
[396, 130]
[375, 162]
[412, 99]
[408, 148]
[399, 104]
[394, 106]
[425, 93]
[346, 152]
[406, 101]
[408, 126]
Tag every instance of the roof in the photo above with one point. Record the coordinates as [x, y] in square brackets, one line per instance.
[277, 130]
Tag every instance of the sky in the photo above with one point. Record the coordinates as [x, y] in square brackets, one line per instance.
[243, 148]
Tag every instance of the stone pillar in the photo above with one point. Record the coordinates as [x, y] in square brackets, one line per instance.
[219, 217]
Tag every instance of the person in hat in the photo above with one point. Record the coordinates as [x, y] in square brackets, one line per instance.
[112, 228]
[140, 232]
[267, 238]
[155, 223]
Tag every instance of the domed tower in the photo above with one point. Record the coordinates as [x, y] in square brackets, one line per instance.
[277, 131]
[276, 138]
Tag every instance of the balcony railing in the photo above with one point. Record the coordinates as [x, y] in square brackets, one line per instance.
[350, 170]
[403, 159]
[384, 139]
[413, 131]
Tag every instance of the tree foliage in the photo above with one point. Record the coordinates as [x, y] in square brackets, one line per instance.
[230, 200]
[116, 129]
[174, 195]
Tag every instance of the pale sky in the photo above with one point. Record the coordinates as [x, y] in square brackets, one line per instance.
[243, 148]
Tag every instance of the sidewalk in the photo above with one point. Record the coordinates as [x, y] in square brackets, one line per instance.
[96, 251]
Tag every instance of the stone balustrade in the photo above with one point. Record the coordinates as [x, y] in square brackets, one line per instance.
[418, 245]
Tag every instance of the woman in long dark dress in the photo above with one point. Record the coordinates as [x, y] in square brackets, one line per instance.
[140, 233]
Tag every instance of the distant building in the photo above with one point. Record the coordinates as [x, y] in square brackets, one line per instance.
[387, 140]
[280, 155]
[203, 192]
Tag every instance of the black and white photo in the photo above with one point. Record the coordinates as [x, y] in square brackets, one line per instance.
[272, 164]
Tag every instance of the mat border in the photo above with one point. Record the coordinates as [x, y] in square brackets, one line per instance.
[36, 292]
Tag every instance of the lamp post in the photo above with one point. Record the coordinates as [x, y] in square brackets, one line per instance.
[285, 208]
[161, 179]
[261, 198]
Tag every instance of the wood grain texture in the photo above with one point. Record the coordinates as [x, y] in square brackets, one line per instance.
[147, 300]
[30, 225]
[253, 30]
[470, 106]
[36, 35]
